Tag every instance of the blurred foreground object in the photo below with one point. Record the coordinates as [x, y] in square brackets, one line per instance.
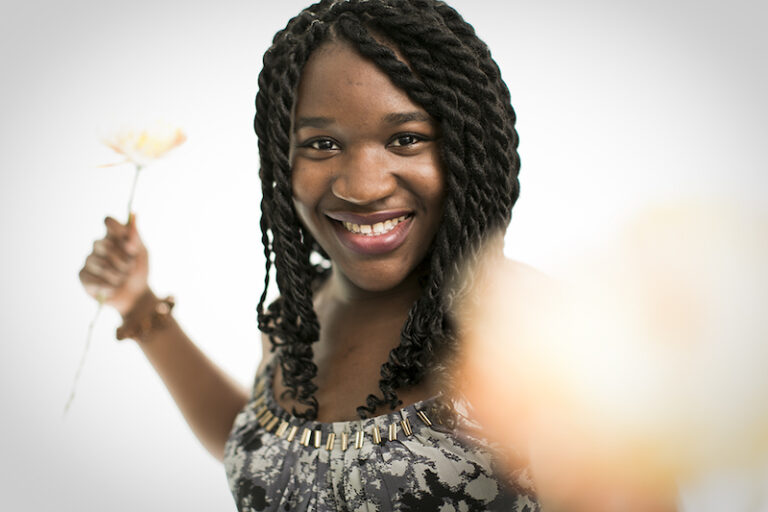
[643, 365]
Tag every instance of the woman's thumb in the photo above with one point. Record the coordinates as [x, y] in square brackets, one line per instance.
[133, 241]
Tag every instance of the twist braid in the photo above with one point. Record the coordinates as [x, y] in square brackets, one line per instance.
[448, 71]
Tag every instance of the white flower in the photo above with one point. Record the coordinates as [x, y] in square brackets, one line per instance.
[141, 147]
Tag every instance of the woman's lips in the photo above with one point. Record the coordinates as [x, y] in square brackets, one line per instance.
[373, 244]
[367, 218]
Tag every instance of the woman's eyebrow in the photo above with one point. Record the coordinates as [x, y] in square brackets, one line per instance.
[393, 118]
[312, 122]
[406, 117]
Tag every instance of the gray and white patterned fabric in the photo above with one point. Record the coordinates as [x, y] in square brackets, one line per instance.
[402, 461]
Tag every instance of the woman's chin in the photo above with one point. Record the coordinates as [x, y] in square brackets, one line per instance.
[383, 280]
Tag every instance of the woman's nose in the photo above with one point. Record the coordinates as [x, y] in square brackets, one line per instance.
[364, 176]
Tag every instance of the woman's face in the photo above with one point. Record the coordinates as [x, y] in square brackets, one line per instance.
[367, 180]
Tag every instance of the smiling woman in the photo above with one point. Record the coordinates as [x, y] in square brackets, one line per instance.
[379, 177]
[388, 157]
[367, 179]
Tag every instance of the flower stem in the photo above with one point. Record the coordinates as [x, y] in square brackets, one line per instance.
[133, 190]
[100, 299]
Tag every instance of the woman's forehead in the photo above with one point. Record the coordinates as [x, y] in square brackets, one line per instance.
[337, 79]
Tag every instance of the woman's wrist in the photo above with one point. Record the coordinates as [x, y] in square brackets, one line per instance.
[148, 315]
[143, 303]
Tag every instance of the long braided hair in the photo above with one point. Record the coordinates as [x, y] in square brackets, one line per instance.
[449, 71]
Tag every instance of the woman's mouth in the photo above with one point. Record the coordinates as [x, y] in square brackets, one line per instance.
[375, 238]
[380, 228]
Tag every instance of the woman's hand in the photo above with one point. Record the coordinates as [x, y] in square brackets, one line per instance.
[116, 271]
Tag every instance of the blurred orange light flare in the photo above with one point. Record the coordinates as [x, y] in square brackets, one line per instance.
[643, 364]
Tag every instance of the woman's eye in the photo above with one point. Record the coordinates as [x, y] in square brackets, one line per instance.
[407, 139]
[322, 145]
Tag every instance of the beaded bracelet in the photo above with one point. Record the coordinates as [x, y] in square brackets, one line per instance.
[141, 330]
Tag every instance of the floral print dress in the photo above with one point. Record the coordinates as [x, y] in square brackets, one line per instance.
[403, 461]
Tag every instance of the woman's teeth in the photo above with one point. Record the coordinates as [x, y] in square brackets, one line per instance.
[379, 228]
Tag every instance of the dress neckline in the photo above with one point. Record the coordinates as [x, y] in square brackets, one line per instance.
[266, 382]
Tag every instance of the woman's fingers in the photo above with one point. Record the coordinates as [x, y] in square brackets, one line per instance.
[94, 285]
[116, 270]
[124, 236]
[117, 257]
[116, 230]
[101, 267]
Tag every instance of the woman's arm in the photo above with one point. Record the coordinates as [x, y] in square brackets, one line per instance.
[206, 396]
[116, 271]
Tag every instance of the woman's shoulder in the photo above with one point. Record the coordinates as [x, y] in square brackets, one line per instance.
[524, 272]
[267, 355]
[505, 279]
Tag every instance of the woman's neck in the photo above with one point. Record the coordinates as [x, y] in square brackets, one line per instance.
[351, 318]
[358, 330]
[340, 290]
